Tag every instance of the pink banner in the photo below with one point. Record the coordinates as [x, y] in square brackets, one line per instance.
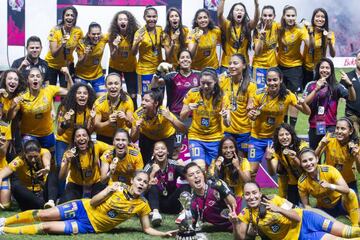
[16, 23]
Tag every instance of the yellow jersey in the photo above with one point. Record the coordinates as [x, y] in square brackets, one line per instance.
[206, 124]
[326, 198]
[272, 113]
[150, 54]
[89, 164]
[176, 49]
[274, 225]
[90, 68]
[123, 60]
[35, 112]
[293, 169]
[78, 119]
[237, 184]
[5, 130]
[125, 167]
[119, 207]
[205, 55]
[65, 57]
[240, 123]
[313, 56]
[6, 104]
[235, 42]
[103, 108]
[339, 156]
[289, 54]
[267, 58]
[156, 128]
[26, 175]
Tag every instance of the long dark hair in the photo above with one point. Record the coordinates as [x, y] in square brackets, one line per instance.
[33, 145]
[325, 27]
[63, 15]
[245, 73]
[157, 95]
[245, 28]
[283, 91]
[75, 161]
[21, 86]
[331, 79]
[69, 101]
[217, 92]
[228, 162]
[211, 24]
[168, 28]
[295, 140]
[132, 27]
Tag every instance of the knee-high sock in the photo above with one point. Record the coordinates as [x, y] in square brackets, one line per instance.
[350, 232]
[27, 230]
[29, 216]
[351, 205]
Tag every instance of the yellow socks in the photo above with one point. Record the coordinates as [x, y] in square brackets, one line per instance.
[351, 204]
[350, 232]
[29, 216]
[27, 230]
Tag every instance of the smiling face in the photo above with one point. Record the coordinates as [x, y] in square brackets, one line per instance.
[252, 195]
[228, 149]
[139, 184]
[160, 152]
[343, 131]
[82, 96]
[122, 21]
[268, 16]
[174, 20]
[285, 138]
[196, 178]
[202, 20]
[324, 69]
[185, 60]
[290, 17]
[121, 142]
[236, 66]
[308, 162]
[81, 139]
[273, 82]
[151, 18]
[35, 79]
[34, 50]
[319, 19]
[11, 82]
[94, 35]
[238, 13]
[113, 85]
[69, 18]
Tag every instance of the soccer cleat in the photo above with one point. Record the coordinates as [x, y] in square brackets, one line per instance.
[156, 219]
[49, 204]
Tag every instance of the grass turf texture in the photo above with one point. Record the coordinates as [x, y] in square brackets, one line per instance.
[131, 229]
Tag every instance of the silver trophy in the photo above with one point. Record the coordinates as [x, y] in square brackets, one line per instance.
[186, 228]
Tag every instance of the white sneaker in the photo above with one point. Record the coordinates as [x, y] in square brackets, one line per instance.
[49, 204]
[156, 219]
[180, 217]
[2, 222]
[2, 230]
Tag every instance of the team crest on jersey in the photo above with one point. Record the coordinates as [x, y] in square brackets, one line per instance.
[112, 213]
[275, 228]
[211, 203]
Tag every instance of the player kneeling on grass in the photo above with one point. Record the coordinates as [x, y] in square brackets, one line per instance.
[327, 186]
[115, 204]
[276, 218]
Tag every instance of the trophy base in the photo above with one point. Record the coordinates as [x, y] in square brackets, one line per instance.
[188, 235]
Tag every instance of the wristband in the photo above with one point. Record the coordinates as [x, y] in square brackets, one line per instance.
[333, 187]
